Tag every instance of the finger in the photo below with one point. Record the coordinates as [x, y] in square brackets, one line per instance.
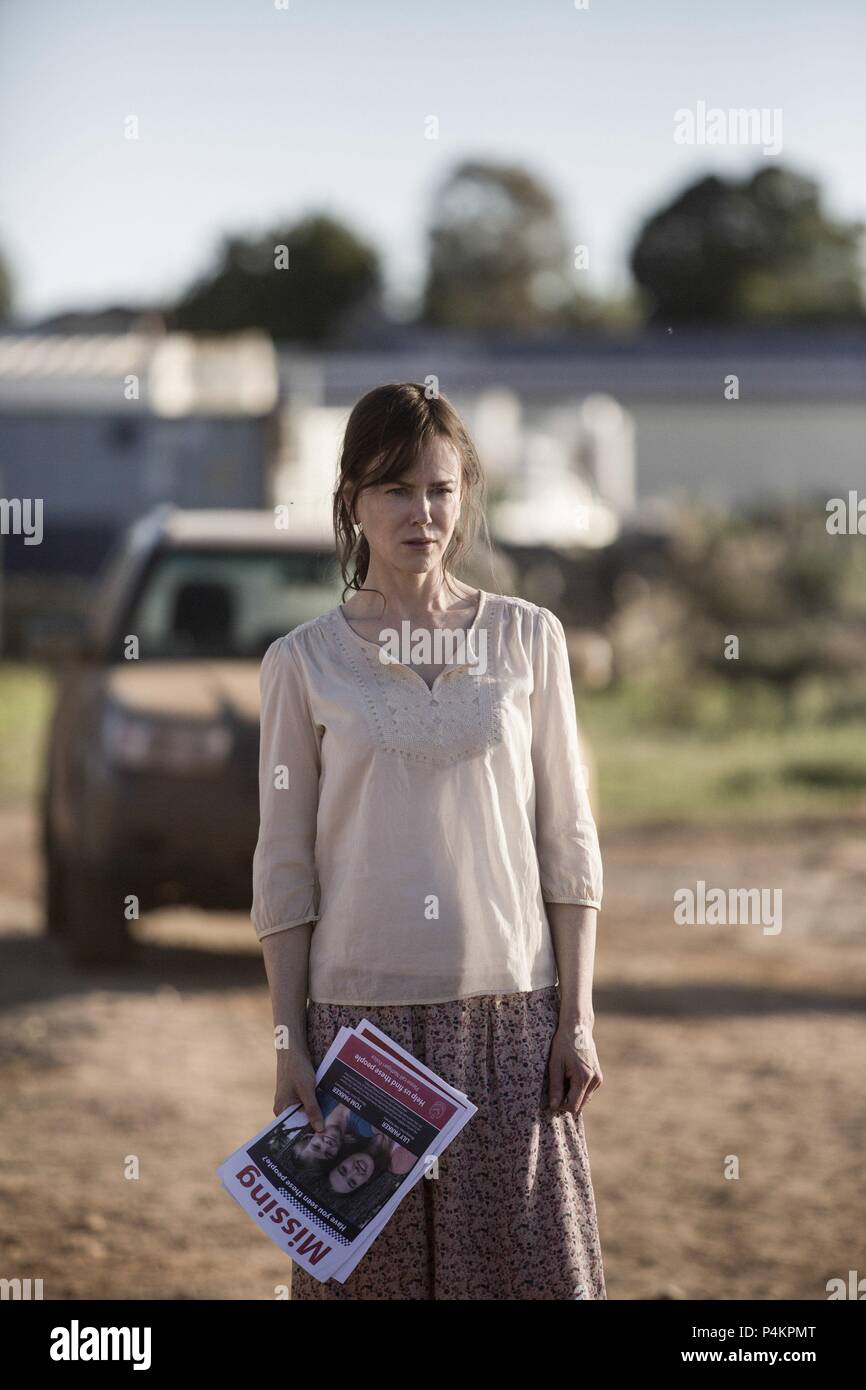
[555, 1084]
[313, 1113]
[592, 1086]
[576, 1093]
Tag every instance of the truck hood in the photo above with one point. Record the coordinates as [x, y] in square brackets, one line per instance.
[203, 690]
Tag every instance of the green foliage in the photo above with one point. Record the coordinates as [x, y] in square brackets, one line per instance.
[759, 251]
[330, 274]
[6, 294]
[790, 592]
[499, 257]
[720, 757]
[780, 730]
[26, 702]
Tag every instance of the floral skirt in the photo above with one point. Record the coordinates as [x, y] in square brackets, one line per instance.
[511, 1214]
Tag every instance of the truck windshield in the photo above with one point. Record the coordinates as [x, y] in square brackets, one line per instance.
[229, 603]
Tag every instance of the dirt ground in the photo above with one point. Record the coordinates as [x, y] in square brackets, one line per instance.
[714, 1042]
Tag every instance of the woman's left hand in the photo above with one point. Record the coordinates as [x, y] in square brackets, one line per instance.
[573, 1071]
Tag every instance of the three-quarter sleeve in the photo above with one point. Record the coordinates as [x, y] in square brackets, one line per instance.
[566, 837]
[285, 885]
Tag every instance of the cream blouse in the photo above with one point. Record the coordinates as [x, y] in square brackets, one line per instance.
[422, 830]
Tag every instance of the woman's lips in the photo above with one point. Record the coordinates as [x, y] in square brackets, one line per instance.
[428, 541]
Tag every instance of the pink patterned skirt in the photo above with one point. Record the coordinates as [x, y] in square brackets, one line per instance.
[511, 1214]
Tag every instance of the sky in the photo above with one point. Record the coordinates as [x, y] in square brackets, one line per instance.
[255, 112]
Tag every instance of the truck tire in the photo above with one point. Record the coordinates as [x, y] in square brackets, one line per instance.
[96, 930]
[55, 893]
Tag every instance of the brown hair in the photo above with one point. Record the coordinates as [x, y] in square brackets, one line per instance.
[385, 433]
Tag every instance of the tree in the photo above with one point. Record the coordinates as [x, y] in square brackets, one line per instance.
[499, 258]
[756, 251]
[330, 272]
[5, 289]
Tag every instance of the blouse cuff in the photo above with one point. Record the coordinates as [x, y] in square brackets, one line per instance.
[284, 926]
[583, 902]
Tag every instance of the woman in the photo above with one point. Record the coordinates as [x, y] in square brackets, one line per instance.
[357, 1136]
[428, 858]
[307, 1150]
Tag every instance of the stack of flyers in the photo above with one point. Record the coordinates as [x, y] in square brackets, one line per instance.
[324, 1198]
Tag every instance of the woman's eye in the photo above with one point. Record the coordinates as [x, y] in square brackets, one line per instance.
[445, 490]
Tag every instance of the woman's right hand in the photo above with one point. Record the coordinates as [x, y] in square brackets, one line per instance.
[296, 1082]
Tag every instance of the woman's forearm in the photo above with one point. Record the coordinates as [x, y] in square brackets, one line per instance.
[573, 929]
[287, 963]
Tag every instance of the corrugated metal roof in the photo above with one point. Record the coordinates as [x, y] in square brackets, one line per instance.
[73, 355]
[178, 374]
[683, 369]
[243, 374]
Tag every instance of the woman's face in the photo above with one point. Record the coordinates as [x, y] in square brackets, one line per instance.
[324, 1145]
[353, 1172]
[425, 502]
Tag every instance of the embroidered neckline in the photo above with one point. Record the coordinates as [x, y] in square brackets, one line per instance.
[478, 622]
[458, 717]
[474, 626]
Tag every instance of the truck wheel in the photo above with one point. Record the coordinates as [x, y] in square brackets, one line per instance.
[96, 931]
[55, 894]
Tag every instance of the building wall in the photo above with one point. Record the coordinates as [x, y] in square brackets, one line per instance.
[737, 452]
[98, 473]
